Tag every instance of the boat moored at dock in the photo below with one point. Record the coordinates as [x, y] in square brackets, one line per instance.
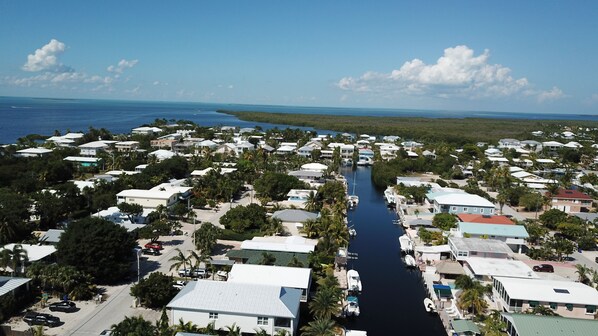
[352, 307]
[353, 281]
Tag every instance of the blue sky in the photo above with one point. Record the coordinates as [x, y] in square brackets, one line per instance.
[529, 56]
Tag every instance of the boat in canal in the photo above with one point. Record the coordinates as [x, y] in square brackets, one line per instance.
[406, 243]
[410, 261]
[352, 232]
[429, 305]
[352, 307]
[353, 281]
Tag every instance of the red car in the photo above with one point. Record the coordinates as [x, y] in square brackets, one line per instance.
[154, 245]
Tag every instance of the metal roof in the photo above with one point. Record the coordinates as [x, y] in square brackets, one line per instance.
[34, 252]
[52, 236]
[463, 326]
[293, 277]
[528, 325]
[238, 298]
[549, 291]
[480, 245]
[255, 257]
[498, 230]
[500, 267]
[463, 199]
[8, 284]
[294, 215]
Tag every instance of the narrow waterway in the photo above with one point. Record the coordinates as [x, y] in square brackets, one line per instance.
[391, 302]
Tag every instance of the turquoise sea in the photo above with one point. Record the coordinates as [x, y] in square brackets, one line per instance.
[22, 116]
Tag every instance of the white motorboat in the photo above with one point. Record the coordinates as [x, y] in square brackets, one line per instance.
[352, 307]
[429, 305]
[352, 233]
[353, 200]
[353, 281]
[410, 261]
[406, 243]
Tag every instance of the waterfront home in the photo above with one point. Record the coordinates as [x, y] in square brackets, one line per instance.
[126, 146]
[534, 325]
[256, 257]
[432, 252]
[94, 148]
[33, 152]
[163, 143]
[411, 145]
[285, 150]
[308, 176]
[249, 306]
[493, 152]
[514, 235]
[464, 328]
[485, 219]
[463, 248]
[290, 277]
[66, 140]
[566, 298]
[244, 146]
[315, 167]
[509, 143]
[144, 130]
[570, 201]
[552, 145]
[292, 244]
[460, 202]
[485, 269]
[84, 161]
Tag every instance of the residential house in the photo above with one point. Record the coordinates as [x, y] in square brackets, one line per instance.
[285, 150]
[13, 286]
[52, 236]
[514, 235]
[346, 150]
[249, 306]
[457, 203]
[485, 269]
[162, 154]
[289, 277]
[464, 248]
[34, 253]
[294, 217]
[290, 244]
[163, 143]
[566, 298]
[493, 152]
[552, 145]
[146, 130]
[571, 201]
[93, 148]
[84, 161]
[509, 143]
[126, 146]
[165, 194]
[33, 152]
[534, 325]
[300, 195]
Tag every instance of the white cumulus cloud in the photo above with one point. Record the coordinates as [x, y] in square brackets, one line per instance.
[457, 73]
[46, 58]
[122, 65]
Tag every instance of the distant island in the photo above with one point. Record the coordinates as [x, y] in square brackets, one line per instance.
[451, 130]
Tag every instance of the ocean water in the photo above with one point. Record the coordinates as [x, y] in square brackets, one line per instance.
[22, 116]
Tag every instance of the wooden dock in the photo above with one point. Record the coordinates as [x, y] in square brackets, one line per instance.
[341, 276]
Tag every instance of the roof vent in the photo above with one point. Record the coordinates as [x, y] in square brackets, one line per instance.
[561, 291]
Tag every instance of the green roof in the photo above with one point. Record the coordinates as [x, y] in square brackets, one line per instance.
[465, 326]
[528, 325]
[254, 257]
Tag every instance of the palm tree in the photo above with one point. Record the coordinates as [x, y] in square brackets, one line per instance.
[179, 260]
[311, 203]
[325, 303]
[233, 330]
[295, 262]
[261, 332]
[7, 231]
[320, 327]
[136, 325]
[493, 325]
[310, 228]
[187, 327]
[38, 331]
[472, 300]
[210, 329]
[464, 282]
[196, 259]
[502, 199]
[15, 257]
[267, 259]
[582, 272]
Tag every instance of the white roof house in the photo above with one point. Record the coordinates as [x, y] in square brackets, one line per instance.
[566, 298]
[34, 252]
[292, 277]
[249, 306]
[295, 244]
[486, 268]
[318, 167]
[33, 152]
[162, 154]
[464, 248]
[148, 198]
[146, 130]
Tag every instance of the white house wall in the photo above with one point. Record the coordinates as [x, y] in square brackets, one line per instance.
[247, 323]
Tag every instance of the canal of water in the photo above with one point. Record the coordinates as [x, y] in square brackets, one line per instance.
[391, 302]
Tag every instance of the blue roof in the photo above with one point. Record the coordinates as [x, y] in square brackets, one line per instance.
[500, 230]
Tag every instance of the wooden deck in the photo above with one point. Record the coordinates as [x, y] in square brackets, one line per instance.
[341, 275]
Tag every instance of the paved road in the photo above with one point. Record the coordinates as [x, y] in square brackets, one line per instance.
[120, 302]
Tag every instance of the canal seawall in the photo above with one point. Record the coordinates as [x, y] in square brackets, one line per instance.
[391, 302]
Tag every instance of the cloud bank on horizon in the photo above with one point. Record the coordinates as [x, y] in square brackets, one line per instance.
[457, 73]
[52, 73]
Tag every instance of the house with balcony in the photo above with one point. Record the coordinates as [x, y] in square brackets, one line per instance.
[33, 152]
[513, 235]
[289, 277]
[571, 201]
[249, 306]
[126, 146]
[92, 149]
[566, 298]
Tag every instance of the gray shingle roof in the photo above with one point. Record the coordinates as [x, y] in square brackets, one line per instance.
[294, 215]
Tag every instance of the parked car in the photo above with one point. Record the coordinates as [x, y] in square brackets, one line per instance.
[63, 306]
[33, 318]
[543, 268]
[151, 251]
[154, 245]
[179, 284]
[193, 273]
[106, 332]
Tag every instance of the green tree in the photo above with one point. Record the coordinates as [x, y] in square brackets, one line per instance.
[277, 185]
[180, 260]
[244, 218]
[531, 201]
[325, 303]
[552, 218]
[206, 237]
[130, 209]
[583, 273]
[444, 221]
[14, 211]
[15, 258]
[320, 327]
[268, 259]
[154, 291]
[132, 326]
[97, 247]
[425, 235]
[536, 232]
